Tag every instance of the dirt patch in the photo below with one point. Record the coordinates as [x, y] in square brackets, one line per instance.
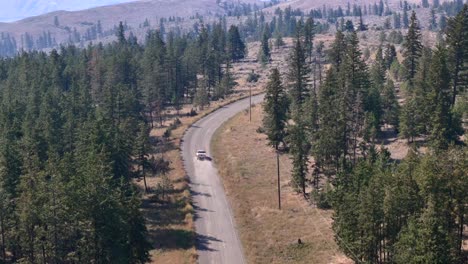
[248, 169]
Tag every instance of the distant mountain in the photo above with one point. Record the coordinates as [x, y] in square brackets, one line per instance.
[97, 24]
[13, 10]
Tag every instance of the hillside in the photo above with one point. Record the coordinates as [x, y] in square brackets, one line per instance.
[133, 13]
[18, 9]
[97, 24]
[305, 5]
[58, 27]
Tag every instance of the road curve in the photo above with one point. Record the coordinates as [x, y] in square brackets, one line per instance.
[217, 238]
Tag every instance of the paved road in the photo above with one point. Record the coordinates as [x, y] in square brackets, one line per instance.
[217, 238]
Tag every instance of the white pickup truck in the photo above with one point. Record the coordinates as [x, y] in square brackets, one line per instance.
[201, 154]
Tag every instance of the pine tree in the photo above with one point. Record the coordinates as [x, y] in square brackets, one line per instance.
[412, 48]
[311, 119]
[142, 150]
[309, 34]
[298, 78]
[420, 91]
[329, 136]
[338, 50]
[10, 167]
[278, 40]
[433, 21]
[402, 200]
[442, 22]
[390, 55]
[202, 96]
[442, 126]
[362, 26]
[110, 222]
[121, 34]
[425, 3]
[409, 122]
[154, 81]
[427, 237]
[390, 106]
[275, 108]
[235, 45]
[356, 94]
[397, 20]
[5, 218]
[318, 60]
[299, 150]
[378, 70]
[405, 18]
[264, 53]
[457, 40]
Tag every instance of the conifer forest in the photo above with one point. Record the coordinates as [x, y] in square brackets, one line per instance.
[76, 122]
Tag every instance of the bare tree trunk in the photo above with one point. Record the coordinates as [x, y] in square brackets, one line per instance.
[151, 118]
[315, 79]
[461, 219]
[2, 227]
[160, 118]
[43, 254]
[320, 71]
[455, 83]
[144, 177]
[55, 225]
[31, 244]
[278, 170]
[303, 183]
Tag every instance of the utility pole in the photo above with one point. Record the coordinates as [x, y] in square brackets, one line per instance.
[250, 104]
[278, 169]
[250, 101]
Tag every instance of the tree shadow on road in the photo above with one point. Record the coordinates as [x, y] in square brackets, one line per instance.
[197, 209]
[194, 193]
[164, 213]
[172, 239]
[168, 239]
[203, 242]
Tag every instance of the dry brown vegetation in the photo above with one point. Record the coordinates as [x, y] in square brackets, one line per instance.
[248, 169]
[170, 219]
[311, 4]
[132, 13]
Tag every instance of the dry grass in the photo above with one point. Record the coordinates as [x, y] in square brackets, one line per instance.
[248, 169]
[170, 220]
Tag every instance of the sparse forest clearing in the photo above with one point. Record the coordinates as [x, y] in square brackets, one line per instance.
[365, 111]
[247, 167]
[170, 219]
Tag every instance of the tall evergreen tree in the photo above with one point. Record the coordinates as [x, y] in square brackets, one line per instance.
[276, 109]
[412, 48]
[433, 21]
[235, 45]
[298, 79]
[443, 129]
[264, 53]
[299, 149]
[390, 55]
[390, 106]
[457, 40]
[329, 137]
[309, 34]
[406, 22]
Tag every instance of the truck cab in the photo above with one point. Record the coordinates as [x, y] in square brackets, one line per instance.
[201, 154]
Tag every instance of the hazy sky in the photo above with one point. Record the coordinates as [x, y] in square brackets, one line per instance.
[12, 10]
